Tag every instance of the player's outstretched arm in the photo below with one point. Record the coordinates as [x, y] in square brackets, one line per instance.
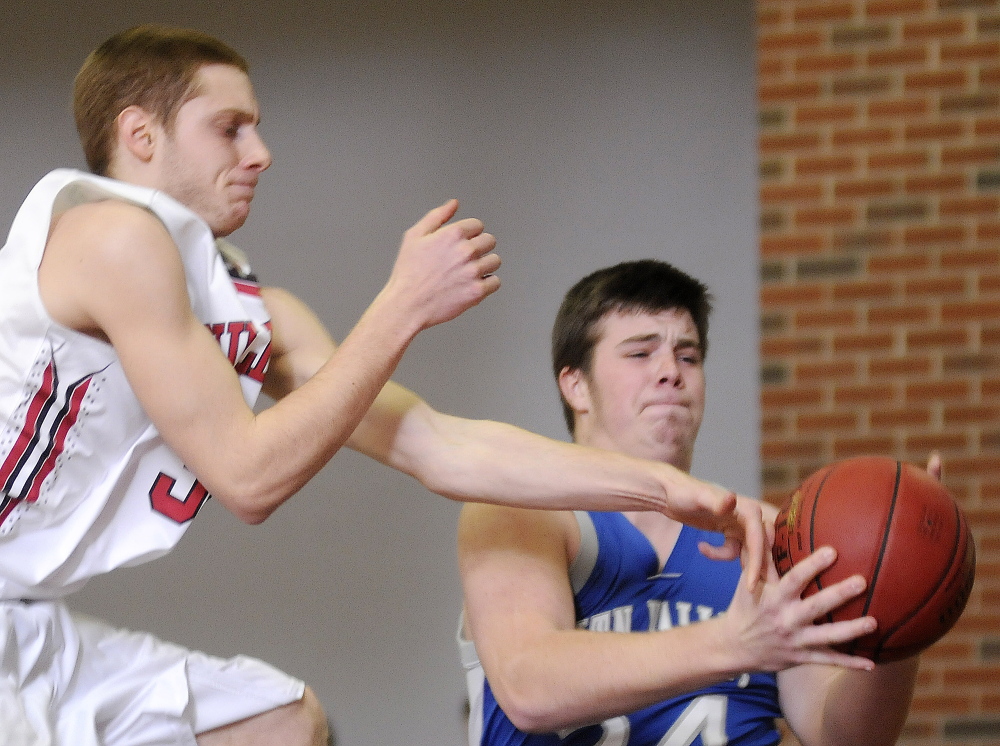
[486, 461]
[549, 675]
[112, 270]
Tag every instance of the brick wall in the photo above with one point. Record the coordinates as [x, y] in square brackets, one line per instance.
[880, 268]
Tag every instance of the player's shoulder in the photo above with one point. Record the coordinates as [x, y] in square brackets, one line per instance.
[111, 230]
[504, 523]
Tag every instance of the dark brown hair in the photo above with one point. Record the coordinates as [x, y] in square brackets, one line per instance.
[643, 286]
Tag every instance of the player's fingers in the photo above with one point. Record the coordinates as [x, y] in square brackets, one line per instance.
[755, 542]
[482, 244]
[468, 227]
[934, 467]
[487, 265]
[802, 572]
[728, 550]
[823, 602]
[834, 633]
[435, 218]
[830, 657]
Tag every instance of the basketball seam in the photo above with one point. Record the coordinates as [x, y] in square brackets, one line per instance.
[948, 568]
[812, 530]
[881, 552]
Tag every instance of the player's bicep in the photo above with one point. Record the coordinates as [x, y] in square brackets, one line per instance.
[514, 567]
[112, 270]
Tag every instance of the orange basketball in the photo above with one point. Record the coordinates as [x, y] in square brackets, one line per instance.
[898, 527]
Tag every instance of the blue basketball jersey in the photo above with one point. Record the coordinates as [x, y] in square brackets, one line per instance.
[619, 587]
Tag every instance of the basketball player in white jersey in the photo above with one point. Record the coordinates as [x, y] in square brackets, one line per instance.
[133, 343]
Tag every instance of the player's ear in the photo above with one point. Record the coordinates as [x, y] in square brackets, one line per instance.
[575, 389]
[137, 132]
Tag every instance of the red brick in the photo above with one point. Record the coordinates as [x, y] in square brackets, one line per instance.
[910, 417]
[808, 423]
[922, 30]
[782, 41]
[920, 392]
[989, 76]
[825, 370]
[984, 51]
[788, 142]
[864, 188]
[773, 425]
[897, 108]
[785, 397]
[897, 56]
[966, 414]
[825, 63]
[826, 319]
[922, 184]
[784, 295]
[971, 311]
[794, 449]
[862, 342]
[793, 91]
[931, 234]
[935, 286]
[988, 231]
[969, 206]
[863, 290]
[896, 263]
[770, 67]
[864, 394]
[937, 338]
[823, 12]
[892, 315]
[987, 127]
[820, 166]
[926, 80]
[848, 447]
[876, 8]
[790, 346]
[897, 159]
[795, 192]
[936, 442]
[769, 16]
[820, 216]
[934, 130]
[970, 259]
[970, 155]
[940, 703]
[989, 283]
[825, 113]
[864, 136]
[781, 245]
[909, 365]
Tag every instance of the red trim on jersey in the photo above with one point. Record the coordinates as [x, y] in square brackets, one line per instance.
[39, 406]
[66, 422]
[247, 288]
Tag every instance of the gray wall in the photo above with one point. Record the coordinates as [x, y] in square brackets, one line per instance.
[582, 133]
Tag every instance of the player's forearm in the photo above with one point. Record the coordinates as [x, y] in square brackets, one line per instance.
[577, 677]
[829, 706]
[487, 461]
[280, 449]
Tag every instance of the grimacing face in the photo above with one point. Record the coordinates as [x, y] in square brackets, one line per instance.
[212, 157]
[645, 392]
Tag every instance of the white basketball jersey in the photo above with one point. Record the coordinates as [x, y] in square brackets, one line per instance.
[86, 482]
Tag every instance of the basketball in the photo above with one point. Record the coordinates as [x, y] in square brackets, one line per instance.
[897, 526]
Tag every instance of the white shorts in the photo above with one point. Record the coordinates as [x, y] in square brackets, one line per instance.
[69, 680]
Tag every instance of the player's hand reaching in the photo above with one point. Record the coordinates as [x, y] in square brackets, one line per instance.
[443, 268]
[776, 628]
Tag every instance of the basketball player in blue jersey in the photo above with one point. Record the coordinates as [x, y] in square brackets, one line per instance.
[133, 344]
[608, 628]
